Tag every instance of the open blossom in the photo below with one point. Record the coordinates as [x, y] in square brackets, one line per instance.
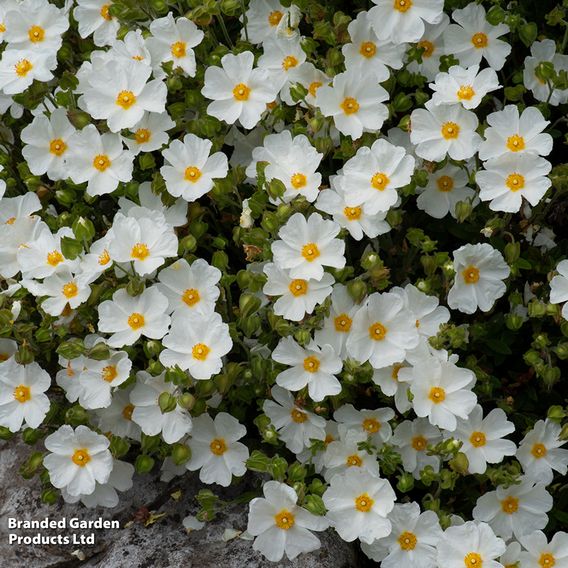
[93, 17]
[373, 423]
[432, 45]
[540, 552]
[264, 18]
[19, 69]
[281, 57]
[559, 287]
[480, 271]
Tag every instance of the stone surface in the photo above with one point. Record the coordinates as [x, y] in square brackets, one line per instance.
[162, 544]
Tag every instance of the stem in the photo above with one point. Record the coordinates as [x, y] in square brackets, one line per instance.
[564, 39]
[225, 31]
[245, 20]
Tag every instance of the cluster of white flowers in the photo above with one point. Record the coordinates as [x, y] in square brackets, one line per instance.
[161, 296]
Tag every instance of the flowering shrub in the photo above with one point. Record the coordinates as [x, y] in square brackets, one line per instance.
[322, 241]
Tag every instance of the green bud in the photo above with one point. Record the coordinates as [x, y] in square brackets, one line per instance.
[394, 217]
[99, 352]
[297, 472]
[562, 351]
[5, 433]
[49, 496]
[150, 443]
[404, 123]
[135, 287]
[84, 229]
[187, 401]
[244, 279]
[144, 464]
[278, 467]
[459, 464]
[248, 304]
[528, 33]
[71, 248]
[463, 210]
[76, 415]
[71, 349]
[303, 336]
[276, 188]
[220, 260]
[564, 433]
[495, 15]
[298, 92]
[258, 461]
[315, 505]
[514, 321]
[536, 309]
[167, 402]
[25, 355]
[199, 407]
[180, 453]
[31, 435]
[78, 118]
[401, 103]
[405, 482]
[152, 348]
[421, 98]
[428, 475]
[155, 367]
[544, 71]
[65, 197]
[118, 447]
[357, 290]
[550, 376]
[334, 57]
[370, 259]
[556, 413]
[512, 252]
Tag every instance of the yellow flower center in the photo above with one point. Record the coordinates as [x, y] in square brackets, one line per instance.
[23, 67]
[465, 93]
[192, 174]
[377, 331]
[275, 17]
[218, 446]
[510, 505]
[368, 49]
[479, 40]
[450, 130]
[515, 182]
[407, 540]
[471, 275]
[380, 181]
[342, 323]
[547, 560]
[178, 49]
[473, 560]
[310, 252]
[298, 416]
[105, 12]
[125, 99]
[11, 221]
[200, 351]
[36, 34]
[284, 520]
[349, 105]
[81, 457]
[371, 425]
[136, 320]
[445, 184]
[402, 5]
[140, 251]
[22, 393]
[478, 439]
[395, 369]
[419, 443]
[127, 411]
[101, 162]
[354, 461]
[298, 287]
[104, 257]
[241, 92]
[437, 395]
[191, 296]
[142, 135]
[428, 48]
[314, 86]
[515, 143]
[289, 62]
[109, 373]
[539, 451]
[2, 28]
[311, 364]
[70, 290]
[57, 147]
[352, 213]
[298, 180]
[364, 503]
[54, 258]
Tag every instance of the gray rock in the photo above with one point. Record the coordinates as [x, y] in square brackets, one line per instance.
[162, 544]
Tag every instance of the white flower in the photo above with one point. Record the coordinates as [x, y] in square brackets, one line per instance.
[412, 439]
[281, 58]
[473, 37]
[382, 331]
[263, 19]
[78, 459]
[356, 105]
[132, 48]
[412, 541]
[145, 242]
[94, 16]
[117, 418]
[517, 510]
[471, 545]
[510, 558]
[509, 132]
[480, 271]
[540, 553]
[130, 317]
[215, 450]
[238, 91]
[403, 20]
[190, 169]
[15, 232]
[311, 366]
[47, 140]
[559, 287]
[542, 51]
[173, 424]
[540, 452]
[8, 348]
[295, 426]
[173, 40]
[358, 504]
[373, 423]
[481, 438]
[308, 75]
[298, 296]
[445, 189]
[306, 246]
[97, 260]
[190, 287]
[432, 43]
[391, 384]
[374, 174]
[465, 86]
[444, 130]
[150, 133]
[196, 343]
[99, 160]
[280, 525]
[441, 391]
[22, 397]
[19, 69]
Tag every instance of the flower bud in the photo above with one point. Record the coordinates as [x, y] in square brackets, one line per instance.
[144, 464]
[50, 496]
[405, 482]
[167, 402]
[31, 435]
[556, 413]
[5, 433]
[514, 321]
[357, 290]
[84, 229]
[315, 505]
[248, 304]
[180, 453]
[463, 210]
[186, 400]
[76, 415]
[459, 464]
[297, 472]
[220, 260]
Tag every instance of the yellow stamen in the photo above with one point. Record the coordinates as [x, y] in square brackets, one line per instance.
[450, 130]
[479, 40]
[311, 364]
[342, 323]
[377, 331]
[284, 520]
[471, 275]
[125, 99]
[200, 351]
[437, 395]
[81, 457]
[349, 105]
[478, 439]
[101, 162]
[368, 49]
[22, 393]
[136, 320]
[191, 297]
[54, 258]
[310, 252]
[140, 251]
[364, 503]
[407, 540]
[218, 446]
[298, 287]
[57, 147]
[510, 505]
[241, 92]
[36, 34]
